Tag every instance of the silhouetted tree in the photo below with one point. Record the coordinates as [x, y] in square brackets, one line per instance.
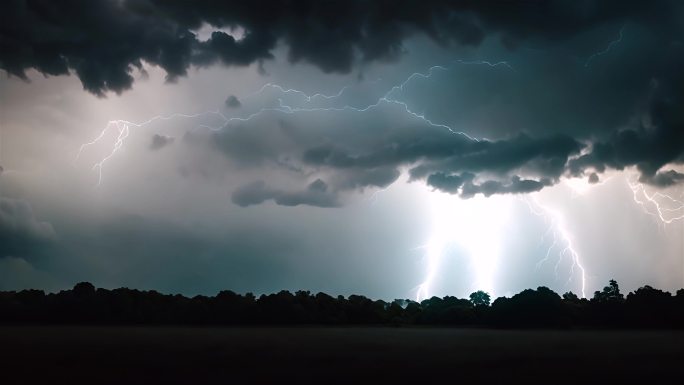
[647, 306]
[571, 297]
[479, 298]
[530, 308]
[610, 293]
[607, 308]
[84, 290]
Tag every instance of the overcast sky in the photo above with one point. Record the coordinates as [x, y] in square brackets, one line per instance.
[390, 149]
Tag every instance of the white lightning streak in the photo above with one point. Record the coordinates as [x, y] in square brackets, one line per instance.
[559, 231]
[605, 51]
[477, 226]
[653, 204]
[123, 126]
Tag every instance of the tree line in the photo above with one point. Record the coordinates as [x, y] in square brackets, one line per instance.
[646, 307]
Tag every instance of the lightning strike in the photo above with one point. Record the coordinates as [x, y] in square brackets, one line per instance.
[562, 235]
[661, 206]
[476, 226]
[607, 49]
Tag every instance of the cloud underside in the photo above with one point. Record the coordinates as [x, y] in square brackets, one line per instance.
[354, 152]
[102, 42]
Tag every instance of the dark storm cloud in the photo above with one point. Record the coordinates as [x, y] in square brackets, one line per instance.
[655, 143]
[21, 233]
[233, 102]
[572, 130]
[515, 186]
[448, 183]
[454, 163]
[316, 194]
[349, 156]
[593, 178]
[160, 141]
[103, 41]
[439, 149]
[360, 178]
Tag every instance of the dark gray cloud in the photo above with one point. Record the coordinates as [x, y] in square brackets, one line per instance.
[103, 41]
[358, 178]
[452, 162]
[316, 194]
[21, 232]
[233, 102]
[515, 186]
[593, 178]
[655, 143]
[160, 141]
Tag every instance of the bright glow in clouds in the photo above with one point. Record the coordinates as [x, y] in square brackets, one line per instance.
[475, 225]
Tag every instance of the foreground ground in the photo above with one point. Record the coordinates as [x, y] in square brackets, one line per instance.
[166, 355]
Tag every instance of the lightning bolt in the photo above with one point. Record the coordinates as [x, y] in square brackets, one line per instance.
[476, 225]
[610, 46]
[663, 207]
[307, 98]
[123, 127]
[433, 255]
[561, 238]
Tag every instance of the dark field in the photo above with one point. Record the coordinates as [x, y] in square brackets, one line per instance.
[167, 355]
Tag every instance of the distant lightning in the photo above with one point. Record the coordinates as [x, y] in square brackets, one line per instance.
[607, 49]
[387, 98]
[307, 98]
[373, 199]
[123, 131]
[123, 126]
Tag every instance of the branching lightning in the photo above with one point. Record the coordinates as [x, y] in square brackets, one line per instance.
[607, 49]
[123, 126]
[561, 238]
[663, 207]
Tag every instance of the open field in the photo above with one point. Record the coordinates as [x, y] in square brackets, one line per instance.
[167, 355]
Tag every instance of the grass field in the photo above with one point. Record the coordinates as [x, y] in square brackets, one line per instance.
[167, 355]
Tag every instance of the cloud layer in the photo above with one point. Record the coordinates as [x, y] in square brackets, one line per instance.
[103, 42]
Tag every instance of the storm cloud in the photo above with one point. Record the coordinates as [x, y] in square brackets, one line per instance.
[20, 231]
[268, 145]
[233, 102]
[103, 42]
[160, 141]
[315, 194]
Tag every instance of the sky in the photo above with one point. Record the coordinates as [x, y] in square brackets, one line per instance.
[394, 149]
